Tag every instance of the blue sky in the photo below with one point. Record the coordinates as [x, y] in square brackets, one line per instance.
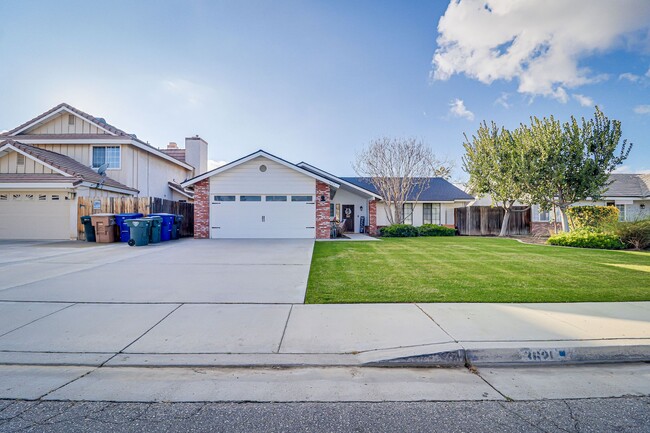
[316, 81]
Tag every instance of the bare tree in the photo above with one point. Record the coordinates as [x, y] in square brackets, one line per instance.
[400, 169]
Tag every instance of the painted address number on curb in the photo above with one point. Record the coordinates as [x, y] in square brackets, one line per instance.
[543, 354]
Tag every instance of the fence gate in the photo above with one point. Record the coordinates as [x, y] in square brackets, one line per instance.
[486, 220]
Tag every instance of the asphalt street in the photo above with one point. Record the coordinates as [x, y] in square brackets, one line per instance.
[630, 414]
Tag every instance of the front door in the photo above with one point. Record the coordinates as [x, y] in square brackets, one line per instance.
[348, 216]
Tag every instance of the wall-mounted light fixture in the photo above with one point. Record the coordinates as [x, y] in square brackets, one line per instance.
[361, 208]
[322, 198]
[642, 206]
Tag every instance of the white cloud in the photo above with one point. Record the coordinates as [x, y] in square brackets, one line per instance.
[212, 164]
[458, 109]
[642, 109]
[628, 169]
[647, 74]
[583, 100]
[188, 93]
[503, 100]
[629, 77]
[538, 44]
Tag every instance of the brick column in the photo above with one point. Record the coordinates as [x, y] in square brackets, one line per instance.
[372, 217]
[202, 209]
[322, 210]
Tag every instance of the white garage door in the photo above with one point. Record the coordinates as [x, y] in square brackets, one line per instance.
[34, 215]
[262, 216]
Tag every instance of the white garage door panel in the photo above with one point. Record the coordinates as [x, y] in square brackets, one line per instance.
[21, 218]
[263, 219]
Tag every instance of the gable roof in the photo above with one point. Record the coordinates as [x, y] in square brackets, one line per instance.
[63, 165]
[111, 132]
[254, 155]
[63, 107]
[336, 179]
[628, 185]
[438, 189]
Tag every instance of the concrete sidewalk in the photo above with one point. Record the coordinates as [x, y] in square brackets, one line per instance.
[239, 335]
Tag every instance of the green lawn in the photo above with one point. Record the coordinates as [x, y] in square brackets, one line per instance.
[468, 269]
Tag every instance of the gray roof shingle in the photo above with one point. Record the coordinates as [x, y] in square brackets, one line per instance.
[628, 185]
[438, 189]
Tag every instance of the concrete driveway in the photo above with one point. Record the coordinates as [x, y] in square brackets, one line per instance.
[265, 271]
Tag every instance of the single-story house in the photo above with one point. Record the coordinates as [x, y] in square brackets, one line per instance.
[64, 153]
[263, 196]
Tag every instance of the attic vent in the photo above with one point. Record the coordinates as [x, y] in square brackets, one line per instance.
[71, 120]
[20, 159]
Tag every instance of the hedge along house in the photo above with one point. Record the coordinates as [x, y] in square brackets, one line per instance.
[51, 160]
[263, 196]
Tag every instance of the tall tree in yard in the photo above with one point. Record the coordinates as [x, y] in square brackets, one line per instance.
[399, 168]
[497, 166]
[573, 160]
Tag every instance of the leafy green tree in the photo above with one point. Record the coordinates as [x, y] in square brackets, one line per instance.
[496, 163]
[571, 162]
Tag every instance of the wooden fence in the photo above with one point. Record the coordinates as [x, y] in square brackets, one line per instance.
[143, 205]
[486, 220]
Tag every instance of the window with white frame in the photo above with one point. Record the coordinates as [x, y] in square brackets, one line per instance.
[431, 213]
[543, 216]
[110, 155]
[407, 212]
[621, 212]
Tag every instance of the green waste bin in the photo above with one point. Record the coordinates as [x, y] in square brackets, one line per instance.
[176, 228]
[155, 229]
[89, 230]
[139, 229]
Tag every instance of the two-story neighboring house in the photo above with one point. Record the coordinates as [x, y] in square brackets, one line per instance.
[65, 153]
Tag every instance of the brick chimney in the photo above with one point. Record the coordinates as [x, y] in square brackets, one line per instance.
[196, 154]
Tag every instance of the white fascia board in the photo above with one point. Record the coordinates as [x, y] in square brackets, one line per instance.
[251, 157]
[93, 185]
[27, 155]
[44, 119]
[36, 185]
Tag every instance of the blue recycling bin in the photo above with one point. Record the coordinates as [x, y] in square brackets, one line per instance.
[167, 225]
[120, 221]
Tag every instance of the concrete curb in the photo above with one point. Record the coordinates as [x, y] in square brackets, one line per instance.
[533, 354]
[443, 355]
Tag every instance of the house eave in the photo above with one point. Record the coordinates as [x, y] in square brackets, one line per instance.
[250, 157]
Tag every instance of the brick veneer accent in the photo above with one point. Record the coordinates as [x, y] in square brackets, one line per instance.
[322, 210]
[541, 228]
[372, 217]
[202, 209]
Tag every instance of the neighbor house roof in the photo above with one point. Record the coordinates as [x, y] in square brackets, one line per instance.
[437, 189]
[175, 153]
[111, 132]
[64, 165]
[628, 185]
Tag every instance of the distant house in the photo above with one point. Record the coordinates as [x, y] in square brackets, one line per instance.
[51, 160]
[263, 196]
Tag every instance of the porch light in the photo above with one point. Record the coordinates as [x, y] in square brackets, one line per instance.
[361, 208]
[322, 198]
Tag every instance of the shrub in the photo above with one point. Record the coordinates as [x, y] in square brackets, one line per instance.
[592, 216]
[399, 231]
[635, 234]
[435, 230]
[587, 238]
